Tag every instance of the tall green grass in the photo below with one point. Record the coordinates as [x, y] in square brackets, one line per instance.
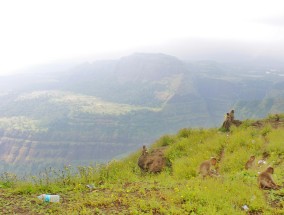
[121, 188]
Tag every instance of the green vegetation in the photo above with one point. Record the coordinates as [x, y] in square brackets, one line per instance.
[121, 188]
[105, 109]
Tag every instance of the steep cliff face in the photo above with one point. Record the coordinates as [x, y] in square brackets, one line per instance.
[15, 151]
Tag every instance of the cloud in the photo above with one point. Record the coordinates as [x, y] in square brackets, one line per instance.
[277, 21]
[34, 32]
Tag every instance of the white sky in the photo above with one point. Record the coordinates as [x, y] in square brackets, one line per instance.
[42, 31]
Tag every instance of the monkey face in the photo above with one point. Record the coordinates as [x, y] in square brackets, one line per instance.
[213, 161]
[270, 170]
[252, 158]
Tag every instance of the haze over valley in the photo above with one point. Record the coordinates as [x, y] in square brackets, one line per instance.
[94, 112]
[87, 82]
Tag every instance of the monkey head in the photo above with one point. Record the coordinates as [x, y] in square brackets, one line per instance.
[144, 150]
[213, 161]
[270, 170]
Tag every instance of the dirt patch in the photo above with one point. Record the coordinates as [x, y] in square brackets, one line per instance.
[265, 155]
[274, 121]
[11, 205]
[255, 213]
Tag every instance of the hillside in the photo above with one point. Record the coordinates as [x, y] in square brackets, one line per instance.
[119, 187]
[97, 111]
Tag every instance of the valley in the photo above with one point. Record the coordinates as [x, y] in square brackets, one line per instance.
[98, 111]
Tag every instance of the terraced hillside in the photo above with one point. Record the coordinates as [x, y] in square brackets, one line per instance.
[119, 187]
[97, 111]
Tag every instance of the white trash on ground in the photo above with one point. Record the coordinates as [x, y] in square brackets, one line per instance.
[49, 198]
[245, 207]
[261, 162]
[90, 186]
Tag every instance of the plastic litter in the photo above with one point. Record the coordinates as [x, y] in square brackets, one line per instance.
[90, 186]
[49, 198]
[245, 207]
[261, 162]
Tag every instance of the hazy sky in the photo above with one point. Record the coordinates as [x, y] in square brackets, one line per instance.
[43, 31]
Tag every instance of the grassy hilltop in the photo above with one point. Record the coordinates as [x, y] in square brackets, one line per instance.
[121, 188]
[97, 111]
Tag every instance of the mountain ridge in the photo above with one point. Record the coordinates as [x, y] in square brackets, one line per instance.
[125, 103]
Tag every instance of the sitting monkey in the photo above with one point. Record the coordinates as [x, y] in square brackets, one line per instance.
[265, 180]
[205, 167]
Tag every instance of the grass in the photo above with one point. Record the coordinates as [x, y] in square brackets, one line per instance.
[121, 188]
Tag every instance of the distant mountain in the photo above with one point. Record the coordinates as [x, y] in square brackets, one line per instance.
[96, 111]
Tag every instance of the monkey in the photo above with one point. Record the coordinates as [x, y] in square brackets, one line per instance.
[226, 123]
[144, 150]
[250, 162]
[142, 158]
[205, 167]
[265, 180]
[152, 162]
[232, 115]
[227, 117]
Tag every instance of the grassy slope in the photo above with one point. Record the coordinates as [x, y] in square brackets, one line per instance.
[120, 187]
